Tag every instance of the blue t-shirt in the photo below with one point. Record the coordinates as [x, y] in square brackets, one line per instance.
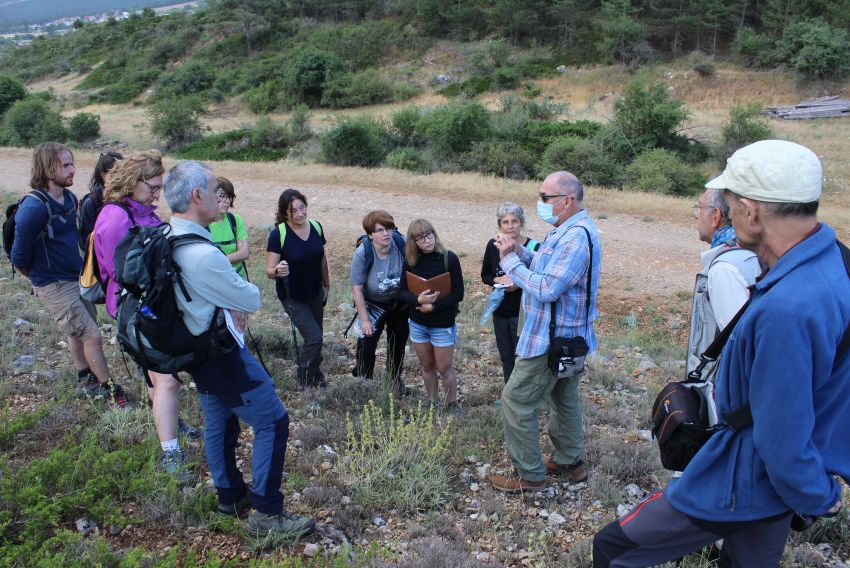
[305, 263]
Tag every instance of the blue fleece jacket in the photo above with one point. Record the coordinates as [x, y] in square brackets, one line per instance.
[48, 260]
[780, 359]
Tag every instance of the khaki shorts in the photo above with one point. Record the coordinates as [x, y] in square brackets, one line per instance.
[76, 317]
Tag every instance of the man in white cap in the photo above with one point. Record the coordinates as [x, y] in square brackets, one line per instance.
[786, 363]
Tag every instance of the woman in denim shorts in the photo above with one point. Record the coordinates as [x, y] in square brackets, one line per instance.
[432, 316]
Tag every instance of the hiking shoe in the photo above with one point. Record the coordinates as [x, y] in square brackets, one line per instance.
[114, 394]
[284, 523]
[235, 509]
[403, 391]
[576, 472]
[184, 429]
[516, 484]
[88, 386]
[174, 462]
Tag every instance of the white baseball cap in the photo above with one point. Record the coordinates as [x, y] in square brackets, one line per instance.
[775, 171]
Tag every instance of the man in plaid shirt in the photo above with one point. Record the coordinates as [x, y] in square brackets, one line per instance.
[557, 273]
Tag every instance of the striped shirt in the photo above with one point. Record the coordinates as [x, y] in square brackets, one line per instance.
[557, 272]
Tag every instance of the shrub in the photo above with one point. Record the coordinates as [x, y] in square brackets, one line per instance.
[702, 63]
[177, 122]
[752, 48]
[191, 78]
[501, 158]
[398, 461]
[583, 157]
[406, 159]
[355, 142]
[405, 125]
[266, 98]
[648, 117]
[84, 126]
[11, 91]
[309, 73]
[622, 37]
[298, 125]
[744, 126]
[662, 171]
[347, 90]
[456, 127]
[30, 122]
[816, 50]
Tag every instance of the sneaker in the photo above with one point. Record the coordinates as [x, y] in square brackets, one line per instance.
[576, 472]
[174, 462]
[516, 484]
[114, 394]
[88, 386]
[184, 429]
[284, 523]
[235, 509]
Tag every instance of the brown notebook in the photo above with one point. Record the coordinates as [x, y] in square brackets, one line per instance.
[441, 283]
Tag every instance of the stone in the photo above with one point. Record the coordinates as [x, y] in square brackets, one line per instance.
[645, 435]
[85, 526]
[327, 466]
[378, 521]
[442, 79]
[327, 450]
[483, 471]
[115, 530]
[543, 513]
[311, 549]
[471, 458]
[346, 500]
[622, 510]
[296, 496]
[483, 557]
[632, 491]
[474, 487]
[556, 519]
[646, 365]
[24, 362]
[561, 68]
[21, 324]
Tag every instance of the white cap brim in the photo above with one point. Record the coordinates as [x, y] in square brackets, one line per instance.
[717, 183]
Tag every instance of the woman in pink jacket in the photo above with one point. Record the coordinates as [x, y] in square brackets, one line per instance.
[132, 189]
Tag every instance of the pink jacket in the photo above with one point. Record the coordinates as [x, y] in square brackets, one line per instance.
[112, 225]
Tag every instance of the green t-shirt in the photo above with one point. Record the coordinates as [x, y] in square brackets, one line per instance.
[224, 239]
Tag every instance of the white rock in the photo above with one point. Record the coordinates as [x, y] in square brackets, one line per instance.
[296, 496]
[346, 500]
[623, 510]
[543, 513]
[483, 556]
[474, 487]
[561, 68]
[645, 434]
[556, 518]
[378, 521]
[311, 549]
[632, 491]
[483, 471]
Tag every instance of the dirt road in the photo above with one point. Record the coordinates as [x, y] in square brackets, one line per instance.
[641, 257]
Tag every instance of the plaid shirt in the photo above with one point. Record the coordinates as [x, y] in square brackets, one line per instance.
[557, 272]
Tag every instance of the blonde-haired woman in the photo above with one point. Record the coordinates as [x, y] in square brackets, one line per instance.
[432, 317]
[132, 189]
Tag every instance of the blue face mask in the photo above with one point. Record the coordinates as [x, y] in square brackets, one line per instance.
[544, 211]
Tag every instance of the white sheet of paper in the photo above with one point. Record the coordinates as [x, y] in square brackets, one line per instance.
[231, 325]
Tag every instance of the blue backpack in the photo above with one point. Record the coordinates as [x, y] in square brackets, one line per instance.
[369, 250]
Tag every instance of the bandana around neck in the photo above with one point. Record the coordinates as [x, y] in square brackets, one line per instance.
[723, 235]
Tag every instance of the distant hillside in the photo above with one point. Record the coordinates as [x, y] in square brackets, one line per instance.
[17, 13]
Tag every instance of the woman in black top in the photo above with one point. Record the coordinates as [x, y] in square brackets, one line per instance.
[510, 219]
[432, 317]
[93, 201]
[296, 260]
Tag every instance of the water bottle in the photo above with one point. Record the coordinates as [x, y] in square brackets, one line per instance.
[146, 311]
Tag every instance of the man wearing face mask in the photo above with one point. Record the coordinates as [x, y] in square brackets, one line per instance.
[556, 274]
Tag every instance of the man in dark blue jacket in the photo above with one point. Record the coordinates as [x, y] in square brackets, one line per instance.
[45, 250]
[781, 360]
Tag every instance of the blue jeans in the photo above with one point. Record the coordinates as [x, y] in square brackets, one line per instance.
[261, 409]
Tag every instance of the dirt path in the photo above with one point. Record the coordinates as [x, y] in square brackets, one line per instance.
[641, 257]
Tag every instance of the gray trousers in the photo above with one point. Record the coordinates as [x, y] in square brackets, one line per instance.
[307, 318]
[654, 532]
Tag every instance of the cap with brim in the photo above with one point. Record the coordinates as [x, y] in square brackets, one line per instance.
[775, 171]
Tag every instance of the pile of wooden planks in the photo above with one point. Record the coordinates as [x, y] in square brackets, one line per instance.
[824, 107]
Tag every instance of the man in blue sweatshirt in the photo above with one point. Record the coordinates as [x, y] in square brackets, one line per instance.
[781, 360]
[45, 251]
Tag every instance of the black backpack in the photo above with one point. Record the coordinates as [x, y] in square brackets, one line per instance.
[47, 231]
[150, 323]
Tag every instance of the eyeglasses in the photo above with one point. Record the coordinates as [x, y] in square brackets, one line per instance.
[153, 188]
[381, 230]
[696, 207]
[424, 237]
[544, 197]
[222, 196]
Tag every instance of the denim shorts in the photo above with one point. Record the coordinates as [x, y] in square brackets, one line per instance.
[436, 336]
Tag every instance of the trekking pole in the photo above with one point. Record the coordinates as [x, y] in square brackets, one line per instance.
[291, 321]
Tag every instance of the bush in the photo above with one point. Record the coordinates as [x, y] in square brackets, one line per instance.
[662, 171]
[309, 73]
[346, 90]
[355, 142]
[177, 122]
[744, 126]
[268, 97]
[456, 127]
[237, 145]
[11, 91]
[816, 50]
[503, 158]
[583, 157]
[752, 48]
[702, 63]
[409, 159]
[622, 37]
[191, 78]
[648, 117]
[405, 124]
[30, 122]
[298, 126]
[84, 126]
[397, 461]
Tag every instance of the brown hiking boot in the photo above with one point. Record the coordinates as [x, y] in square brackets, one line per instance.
[576, 473]
[516, 484]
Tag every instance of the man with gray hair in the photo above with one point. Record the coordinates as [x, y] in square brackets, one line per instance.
[721, 286]
[785, 365]
[231, 384]
[560, 284]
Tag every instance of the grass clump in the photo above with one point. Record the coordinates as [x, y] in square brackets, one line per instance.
[397, 461]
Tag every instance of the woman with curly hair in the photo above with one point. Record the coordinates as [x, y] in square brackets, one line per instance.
[132, 189]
